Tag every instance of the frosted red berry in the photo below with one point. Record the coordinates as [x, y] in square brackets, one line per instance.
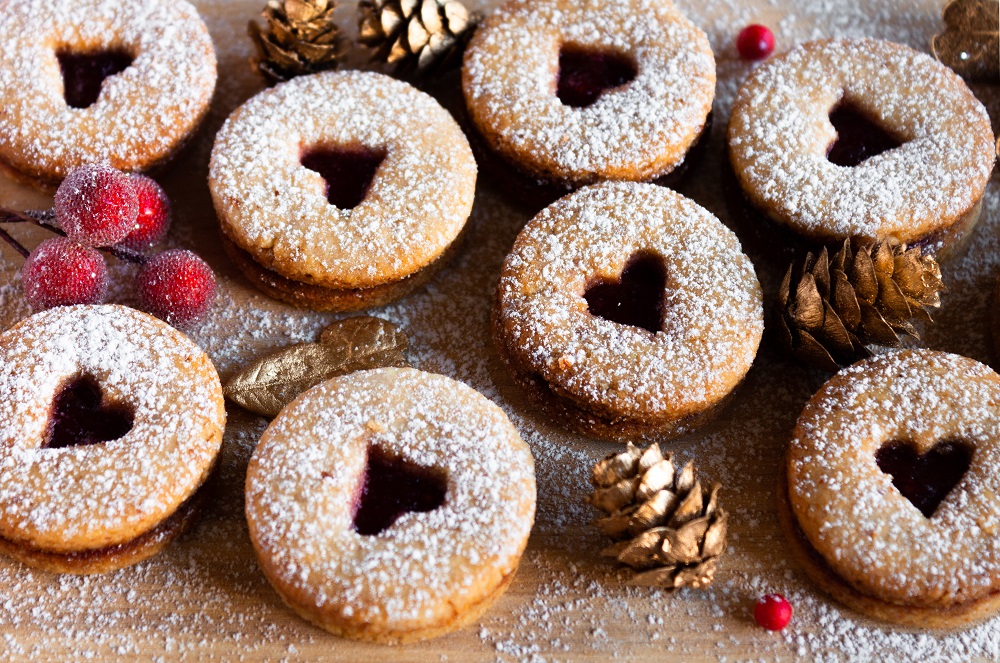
[755, 42]
[97, 205]
[176, 286]
[153, 219]
[773, 612]
[60, 272]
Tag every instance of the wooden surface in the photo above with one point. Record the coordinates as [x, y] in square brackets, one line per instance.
[206, 599]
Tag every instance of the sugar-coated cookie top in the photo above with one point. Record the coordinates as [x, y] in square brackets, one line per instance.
[102, 494]
[143, 113]
[780, 131]
[640, 131]
[864, 528]
[304, 475]
[276, 209]
[713, 317]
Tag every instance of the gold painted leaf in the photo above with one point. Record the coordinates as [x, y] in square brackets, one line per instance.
[354, 344]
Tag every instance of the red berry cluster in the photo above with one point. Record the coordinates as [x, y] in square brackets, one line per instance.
[98, 207]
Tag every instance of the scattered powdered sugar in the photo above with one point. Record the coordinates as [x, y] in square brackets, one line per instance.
[143, 113]
[205, 598]
[779, 135]
[641, 130]
[712, 320]
[453, 555]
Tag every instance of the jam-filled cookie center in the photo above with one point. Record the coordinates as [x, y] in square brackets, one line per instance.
[859, 138]
[636, 298]
[391, 487]
[84, 73]
[347, 171]
[81, 415]
[586, 73]
[925, 479]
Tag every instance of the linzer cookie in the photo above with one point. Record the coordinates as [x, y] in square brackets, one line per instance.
[332, 197]
[88, 81]
[390, 505]
[892, 498]
[571, 92]
[863, 138]
[627, 311]
[111, 422]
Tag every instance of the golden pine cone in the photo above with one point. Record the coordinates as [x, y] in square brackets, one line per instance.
[970, 43]
[833, 309]
[668, 526]
[420, 35]
[300, 37]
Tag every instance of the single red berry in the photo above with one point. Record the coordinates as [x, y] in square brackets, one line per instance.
[176, 286]
[755, 42]
[97, 205]
[60, 272]
[773, 612]
[153, 220]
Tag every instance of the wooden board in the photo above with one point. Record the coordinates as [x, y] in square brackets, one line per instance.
[206, 599]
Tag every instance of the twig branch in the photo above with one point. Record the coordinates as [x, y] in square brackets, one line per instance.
[45, 219]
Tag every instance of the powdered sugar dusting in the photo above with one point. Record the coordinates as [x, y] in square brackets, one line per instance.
[467, 545]
[142, 115]
[780, 132]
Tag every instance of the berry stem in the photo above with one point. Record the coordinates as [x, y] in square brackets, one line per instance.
[16, 244]
[43, 219]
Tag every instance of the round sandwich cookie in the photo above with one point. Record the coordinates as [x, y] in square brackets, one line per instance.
[572, 92]
[111, 422]
[390, 505]
[628, 311]
[99, 81]
[863, 138]
[331, 197]
[890, 499]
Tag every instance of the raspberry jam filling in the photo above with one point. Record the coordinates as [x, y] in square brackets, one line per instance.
[392, 487]
[858, 137]
[80, 416]
[83, 74]
[924, 479]
[348, 172]
[585, 74]
[636, 298]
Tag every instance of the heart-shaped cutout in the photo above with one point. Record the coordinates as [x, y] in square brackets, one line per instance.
[636, 298]
[925, 479]
[83, 74]
[80, 416]
[585, 74]
[348, 172]
[858, 137]
[392, 487]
